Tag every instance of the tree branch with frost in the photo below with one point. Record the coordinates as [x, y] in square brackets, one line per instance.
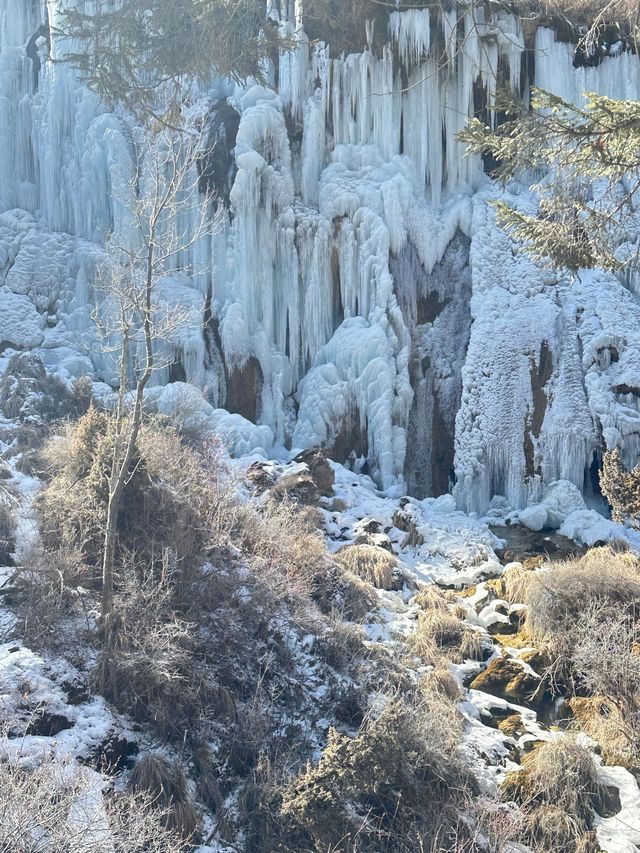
[574, 148]
[145, 54]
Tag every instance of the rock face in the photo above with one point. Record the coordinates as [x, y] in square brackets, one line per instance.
[341, 302]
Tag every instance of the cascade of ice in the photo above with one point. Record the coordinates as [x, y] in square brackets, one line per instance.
[355, 283]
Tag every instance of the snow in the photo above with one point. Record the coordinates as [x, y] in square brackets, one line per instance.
[21, 324]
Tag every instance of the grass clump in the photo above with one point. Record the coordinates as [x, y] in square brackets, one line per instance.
[559, 787]
[164, 784]
[370, 563]
[440, 634]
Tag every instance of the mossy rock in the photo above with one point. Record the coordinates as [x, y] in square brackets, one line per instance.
[520, 640]
[512, 726]
[538, 659]
[509, 680]
[497, 587]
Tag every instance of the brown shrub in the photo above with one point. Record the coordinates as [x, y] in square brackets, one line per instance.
[398, 785]
[558, 597]
[49, 589]
[441, 680]
[149, 669]
[559, 786]
[370, 563]
[166, 504]
[430, 598]
[602, 720]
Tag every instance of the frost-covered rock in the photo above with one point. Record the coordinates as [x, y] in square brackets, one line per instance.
[186, 407]
[22, 325]
[559, 500]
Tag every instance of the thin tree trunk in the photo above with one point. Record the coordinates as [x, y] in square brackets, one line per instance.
[120, 469]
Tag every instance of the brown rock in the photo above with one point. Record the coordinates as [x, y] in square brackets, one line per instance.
[512, 726]
[509, 680]
[320, 470]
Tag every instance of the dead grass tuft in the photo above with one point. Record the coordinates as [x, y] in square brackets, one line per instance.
[370, 563]
[165, 785]
[440, 634]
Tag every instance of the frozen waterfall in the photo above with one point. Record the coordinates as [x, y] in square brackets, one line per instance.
[356, 292]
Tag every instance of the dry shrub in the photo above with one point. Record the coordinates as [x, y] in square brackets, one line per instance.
[357, 598]
[370, 563]
[49, 587]
[586, 12]
[430, 598]
[440, 634]
[164, 784]
[558, 597]
[606, 661]
[149, 668]
[603, 722]
[167, 502]
[51, 807]
[559, 786]
[282, 546]
[7, 525]
[341, 645]
[399, 784]
[516, 582]
[441, 680]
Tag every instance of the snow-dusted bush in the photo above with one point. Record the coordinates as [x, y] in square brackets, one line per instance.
[621, 488]
[55, 808]
[29, 393]
[398, 785]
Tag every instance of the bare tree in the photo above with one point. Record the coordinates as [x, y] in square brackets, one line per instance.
[166, 217]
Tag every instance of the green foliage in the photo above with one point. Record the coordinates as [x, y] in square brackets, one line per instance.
[576, 147]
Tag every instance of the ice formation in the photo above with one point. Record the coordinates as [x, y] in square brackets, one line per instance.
[356, 291]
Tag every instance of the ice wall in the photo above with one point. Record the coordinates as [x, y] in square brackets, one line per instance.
[355, 291]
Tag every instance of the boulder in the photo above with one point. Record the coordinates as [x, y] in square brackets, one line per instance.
[320, 469]
[260, 476]
[510, 680]
[297, 484]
